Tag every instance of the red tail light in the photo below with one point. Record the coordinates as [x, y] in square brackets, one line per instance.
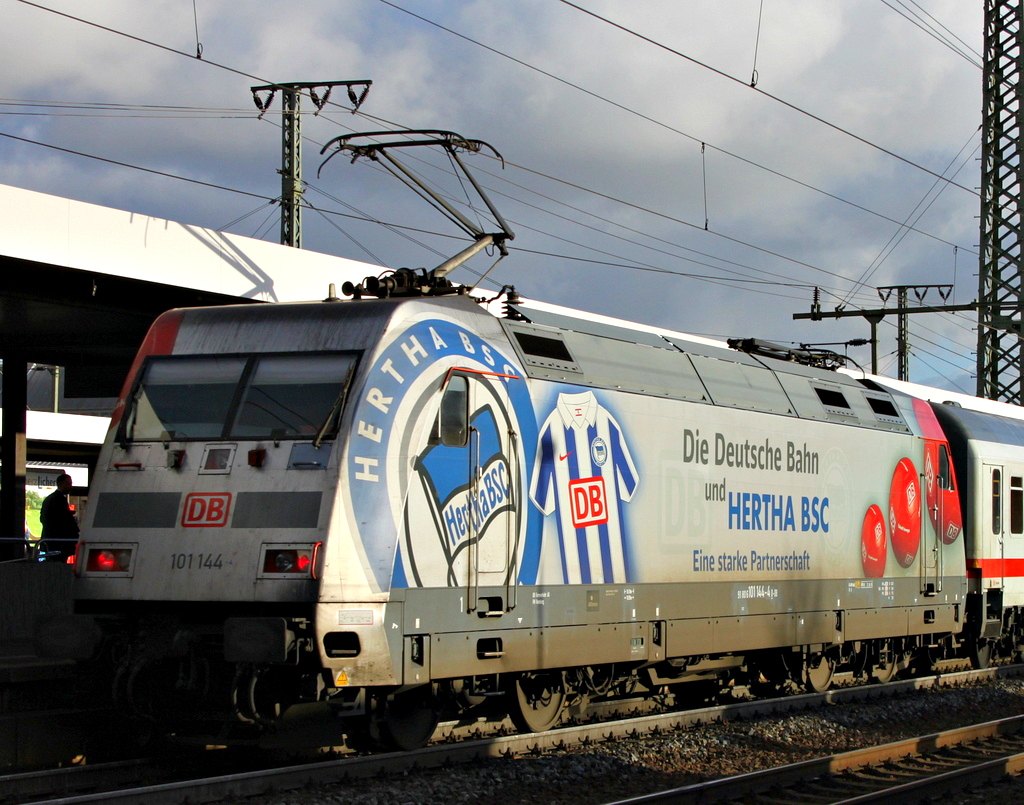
[289, 560]
[108, 560]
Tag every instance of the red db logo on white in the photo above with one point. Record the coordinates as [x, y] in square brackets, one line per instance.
[588, 502]
[206, 509]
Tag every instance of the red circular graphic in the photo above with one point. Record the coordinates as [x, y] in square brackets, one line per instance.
[873, 544]
[905, 513]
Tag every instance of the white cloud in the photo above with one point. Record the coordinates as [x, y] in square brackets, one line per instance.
[857, 65]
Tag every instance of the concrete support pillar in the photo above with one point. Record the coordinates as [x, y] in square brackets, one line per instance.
[13, 451]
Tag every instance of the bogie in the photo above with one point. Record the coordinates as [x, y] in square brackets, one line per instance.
[535, 700]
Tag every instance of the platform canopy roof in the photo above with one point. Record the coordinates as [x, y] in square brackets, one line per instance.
[82, 283]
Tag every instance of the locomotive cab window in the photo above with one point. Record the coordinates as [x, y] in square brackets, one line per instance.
[238, 397]
[184, 399]
[945, 477]
[453, 420]
[294, 396]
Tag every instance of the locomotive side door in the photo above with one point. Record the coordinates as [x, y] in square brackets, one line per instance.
[1013, 545]
[930, 552]
[943, 512]
[475, 415]
[991, 546]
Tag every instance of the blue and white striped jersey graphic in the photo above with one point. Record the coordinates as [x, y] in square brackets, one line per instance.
[583, 472]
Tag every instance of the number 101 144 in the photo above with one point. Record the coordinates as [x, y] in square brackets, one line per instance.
[196, 561]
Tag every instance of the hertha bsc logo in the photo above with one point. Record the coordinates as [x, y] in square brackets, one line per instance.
[420, 505]
[451, 508]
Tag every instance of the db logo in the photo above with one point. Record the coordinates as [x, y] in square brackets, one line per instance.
[588, 502]
[206, 509]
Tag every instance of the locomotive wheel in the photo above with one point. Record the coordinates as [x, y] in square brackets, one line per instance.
[409, 719]
[885, 669]
[979, 650]
[535, 703]
[771, 673]
[818, 671]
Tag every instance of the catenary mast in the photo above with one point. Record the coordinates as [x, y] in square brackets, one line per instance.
[1001, 286]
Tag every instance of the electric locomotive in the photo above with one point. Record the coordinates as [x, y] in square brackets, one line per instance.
[379, 510]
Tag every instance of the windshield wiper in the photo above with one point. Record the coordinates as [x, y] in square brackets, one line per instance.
[128, 426]
[335, 411]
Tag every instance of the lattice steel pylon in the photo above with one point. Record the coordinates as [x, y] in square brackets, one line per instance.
[291, 141]
[1001, 283]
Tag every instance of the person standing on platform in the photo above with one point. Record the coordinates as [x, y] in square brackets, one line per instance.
[30, 538]
[60, 528]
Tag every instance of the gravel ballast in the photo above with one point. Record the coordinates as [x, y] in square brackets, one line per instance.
[603, 773]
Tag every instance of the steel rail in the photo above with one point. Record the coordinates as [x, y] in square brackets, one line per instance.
[908, 771]
[257, 782]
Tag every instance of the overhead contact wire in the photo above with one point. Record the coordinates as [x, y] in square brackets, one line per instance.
[776, 98]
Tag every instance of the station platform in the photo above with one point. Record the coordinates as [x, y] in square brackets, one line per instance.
[43, 722]
[19, 663]
[30, 594]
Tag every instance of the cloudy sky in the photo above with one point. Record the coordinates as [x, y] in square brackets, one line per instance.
[644, 176]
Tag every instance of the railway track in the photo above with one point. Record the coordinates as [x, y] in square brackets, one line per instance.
[930, 766]
[164, 784]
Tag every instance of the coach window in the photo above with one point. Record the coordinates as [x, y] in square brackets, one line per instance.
[1016, 504]
[997, 502]
[454, 418]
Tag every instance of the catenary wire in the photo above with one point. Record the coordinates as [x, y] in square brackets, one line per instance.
[916, 214]
[636, 113]
[264, 226]
[136, 38]
[399, 8]
[622, 202]
[769, 95]
[718, 281]
[832, 292]
[249, 214]
[309, 206]
[945, 37]
[253, 77]
[254, 195]
[153, 171]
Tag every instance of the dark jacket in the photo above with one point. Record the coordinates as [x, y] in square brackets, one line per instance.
[57, 519]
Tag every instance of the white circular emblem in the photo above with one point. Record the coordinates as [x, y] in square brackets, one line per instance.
[599, 451]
